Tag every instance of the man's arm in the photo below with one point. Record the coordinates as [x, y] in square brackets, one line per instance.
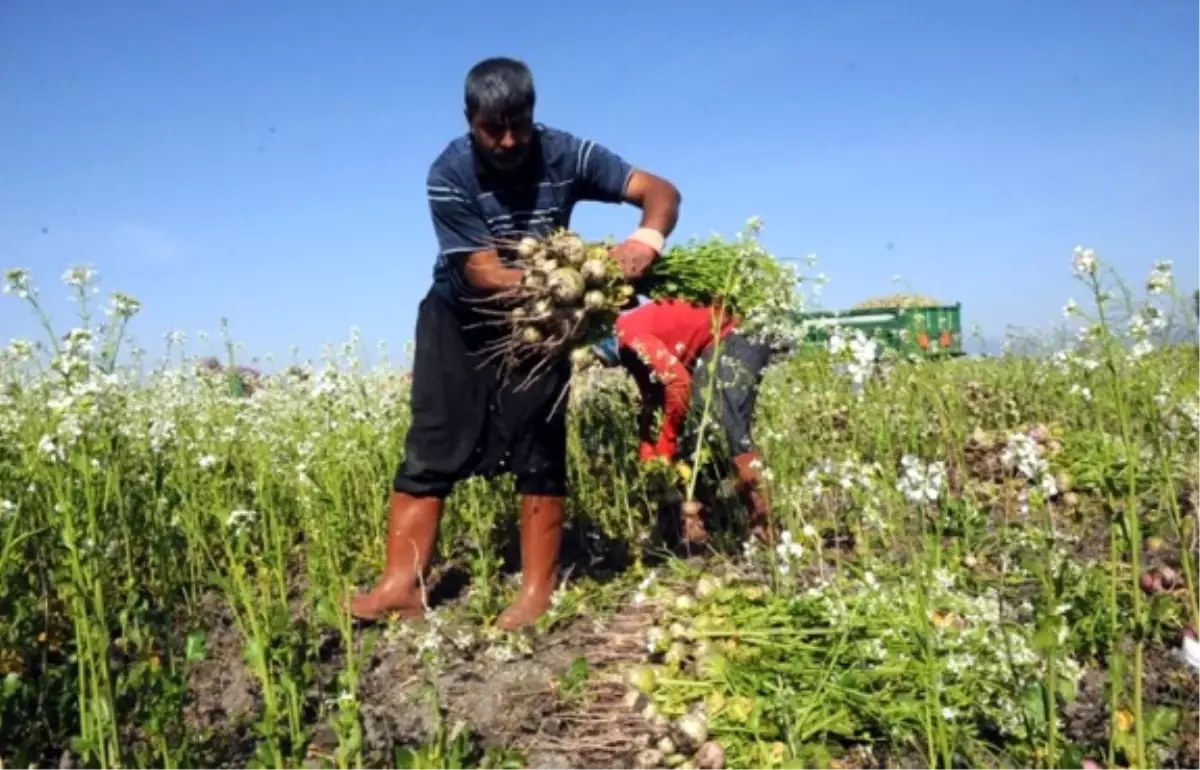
[650, 402]
[676, 385]
[657, 198]
[463, 237]
[607, 177]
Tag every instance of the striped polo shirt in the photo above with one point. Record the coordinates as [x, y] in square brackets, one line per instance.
[472, 205]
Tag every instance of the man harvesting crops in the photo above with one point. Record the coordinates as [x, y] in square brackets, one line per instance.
[668, 346]
[506, 178]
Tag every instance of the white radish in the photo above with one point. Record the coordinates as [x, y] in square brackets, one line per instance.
[595, 300]
[528, 247]
[566, 285]
[594, 272]
[693, 728]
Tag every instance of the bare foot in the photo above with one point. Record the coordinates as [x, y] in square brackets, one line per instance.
[392, 596]
[694, 531]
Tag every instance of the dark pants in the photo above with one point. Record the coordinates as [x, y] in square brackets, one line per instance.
[739, 372]
[469, 421]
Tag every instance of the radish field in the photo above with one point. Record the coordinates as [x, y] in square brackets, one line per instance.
[982, 562]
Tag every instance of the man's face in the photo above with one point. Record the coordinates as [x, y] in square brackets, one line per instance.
[503, 141]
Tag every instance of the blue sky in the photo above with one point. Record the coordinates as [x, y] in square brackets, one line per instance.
[266, 161]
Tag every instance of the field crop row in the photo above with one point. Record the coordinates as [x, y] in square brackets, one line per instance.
[985, 562]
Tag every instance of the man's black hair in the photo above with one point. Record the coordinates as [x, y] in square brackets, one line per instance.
[500, 87]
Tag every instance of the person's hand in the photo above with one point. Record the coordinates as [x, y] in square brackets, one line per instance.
[692, 520]
[634, 257]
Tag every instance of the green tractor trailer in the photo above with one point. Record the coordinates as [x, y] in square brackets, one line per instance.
[925, 331]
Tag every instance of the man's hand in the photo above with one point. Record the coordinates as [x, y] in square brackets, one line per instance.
[659, 201]
[634, 258]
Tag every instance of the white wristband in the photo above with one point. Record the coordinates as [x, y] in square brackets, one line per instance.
[651, 237]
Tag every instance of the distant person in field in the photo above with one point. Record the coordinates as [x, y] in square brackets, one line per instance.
[505, 178]
[243, 381]
[668, 346]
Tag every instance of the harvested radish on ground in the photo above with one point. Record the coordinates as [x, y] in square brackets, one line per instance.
[693, 730]
[1157, 580]
[710, 756]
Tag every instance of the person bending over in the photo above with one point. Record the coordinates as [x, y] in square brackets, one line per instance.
[507, 177]
[668, 348]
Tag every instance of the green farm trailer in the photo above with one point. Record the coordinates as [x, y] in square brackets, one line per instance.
[909, 331]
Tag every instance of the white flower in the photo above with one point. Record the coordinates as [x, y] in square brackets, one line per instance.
[239, 519]
[837, 343]
[1154, 318]
[47, 447]
[123, 306]
[1160, 278]
[788, 549]
[1024, 454]
[17, 282]
[640, 596]
[79, 277]
[1085, 261]
[919, 482]
[19, 350]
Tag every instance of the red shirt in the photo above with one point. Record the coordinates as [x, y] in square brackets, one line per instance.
[668, 336]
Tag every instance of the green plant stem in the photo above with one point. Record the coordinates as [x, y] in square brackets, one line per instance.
[1132, 526]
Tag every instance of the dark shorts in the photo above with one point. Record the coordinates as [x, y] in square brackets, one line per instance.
[467, 421]
[739, 373]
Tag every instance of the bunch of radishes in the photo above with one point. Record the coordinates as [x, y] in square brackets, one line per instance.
[570, 295]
